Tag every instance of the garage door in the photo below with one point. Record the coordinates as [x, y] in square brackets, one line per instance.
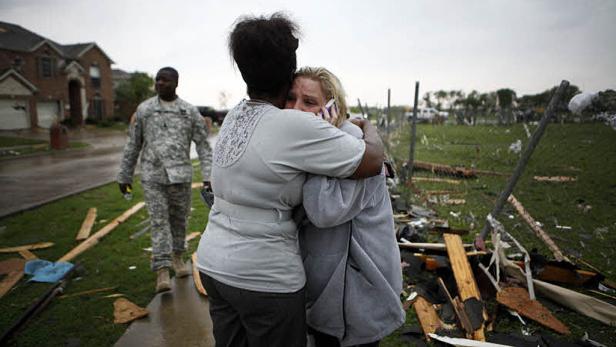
[47, 113]
[14, 114]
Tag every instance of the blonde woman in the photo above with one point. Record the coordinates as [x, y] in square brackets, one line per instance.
[348, 244]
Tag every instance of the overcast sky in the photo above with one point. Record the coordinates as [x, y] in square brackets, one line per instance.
[528, 45]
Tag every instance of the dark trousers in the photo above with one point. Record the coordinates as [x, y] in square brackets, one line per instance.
[324, 340]
[249, 318]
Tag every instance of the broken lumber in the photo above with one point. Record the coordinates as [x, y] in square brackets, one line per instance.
[196, 185]
[26, 254]
[196, 277]
[441, 169]
[9, 281]
[467, 287]
[30, 247]
[10, 265]
[427, 316]
[86, 292]
[554, 179]
[192, 235]
[86, 226]
[557, 274]
[458, 308]
[94, 239]
[428, 245]
[435, 180]
[558, 254]
[125, 311]
[517, 299]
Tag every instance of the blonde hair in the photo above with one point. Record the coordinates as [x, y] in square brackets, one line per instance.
[331, 87]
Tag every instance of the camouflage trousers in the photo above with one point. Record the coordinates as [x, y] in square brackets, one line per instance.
[168, 206]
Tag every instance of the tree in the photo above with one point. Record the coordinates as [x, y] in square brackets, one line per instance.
[131, 92]
[505, 98]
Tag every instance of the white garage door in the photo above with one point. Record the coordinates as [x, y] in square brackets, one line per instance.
[47, 113]
[14, 114]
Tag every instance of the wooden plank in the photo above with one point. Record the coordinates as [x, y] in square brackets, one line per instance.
[29, 247]
[93, 240]
[87, 292]
[458, 307]
[86, 226]
[11, 265]
[435, 180]
[192, 235]
[441, 169]
[427, 316]
[558, 254]
[467, 287]
[196, 277]
[26, 254]
[518, 300]
[9, 281]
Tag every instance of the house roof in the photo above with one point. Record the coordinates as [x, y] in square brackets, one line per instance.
[16, 38]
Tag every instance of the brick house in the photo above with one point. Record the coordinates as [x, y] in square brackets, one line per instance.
[42, 81]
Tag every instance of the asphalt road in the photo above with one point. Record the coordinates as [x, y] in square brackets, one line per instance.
[29, 182]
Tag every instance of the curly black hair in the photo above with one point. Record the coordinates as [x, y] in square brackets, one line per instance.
[264, 51]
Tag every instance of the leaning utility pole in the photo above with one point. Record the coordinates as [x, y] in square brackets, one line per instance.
[528, 151]
[413, 133]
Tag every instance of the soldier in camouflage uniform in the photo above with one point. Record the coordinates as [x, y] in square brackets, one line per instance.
[162, 130]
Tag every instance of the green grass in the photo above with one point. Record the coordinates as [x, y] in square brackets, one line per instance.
[11, 147]
[90, 317]
[584, 151]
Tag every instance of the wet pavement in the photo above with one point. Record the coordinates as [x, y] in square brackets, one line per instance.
[179, 317]
[30, 181]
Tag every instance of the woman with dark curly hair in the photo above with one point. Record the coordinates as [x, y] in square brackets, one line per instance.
[248, 257]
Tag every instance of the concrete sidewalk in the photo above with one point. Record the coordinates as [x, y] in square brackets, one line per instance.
[179, 317]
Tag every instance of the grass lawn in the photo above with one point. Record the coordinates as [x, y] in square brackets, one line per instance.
[90, 317]
[13, 146]
[584, 151]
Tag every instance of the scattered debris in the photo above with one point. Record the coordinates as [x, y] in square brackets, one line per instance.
[46, 271]
[516, 147]
[30, 247]
[554, 179]
[125, 311]
[39, 305]
[558, 254]
[456, 341]
[132, 267]
[86, 226]
[94, 239]
[441, 169]
[192, 235]
[26, 254]
[434, 180]
[11, 265]
[139, 233]
[463, 274]
[518, 300]
[87, 292]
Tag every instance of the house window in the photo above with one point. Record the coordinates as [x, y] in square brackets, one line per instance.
[46, 67]
[95, 76]
[18, 62]
[97, 105]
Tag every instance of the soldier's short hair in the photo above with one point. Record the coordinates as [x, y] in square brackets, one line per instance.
[264, 50]
[172, 71]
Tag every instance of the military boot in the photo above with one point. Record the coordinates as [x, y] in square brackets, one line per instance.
[163, 283]
[179, 266]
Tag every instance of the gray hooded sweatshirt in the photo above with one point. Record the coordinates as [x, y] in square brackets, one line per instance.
[351, 257]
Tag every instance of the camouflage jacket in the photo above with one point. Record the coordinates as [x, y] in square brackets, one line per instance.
[163, 136]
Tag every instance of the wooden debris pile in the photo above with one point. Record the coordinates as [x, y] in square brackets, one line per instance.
[457, 291]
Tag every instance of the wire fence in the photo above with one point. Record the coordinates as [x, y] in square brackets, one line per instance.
[565, 193]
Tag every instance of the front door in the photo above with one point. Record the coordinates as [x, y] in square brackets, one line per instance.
[74, 96]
